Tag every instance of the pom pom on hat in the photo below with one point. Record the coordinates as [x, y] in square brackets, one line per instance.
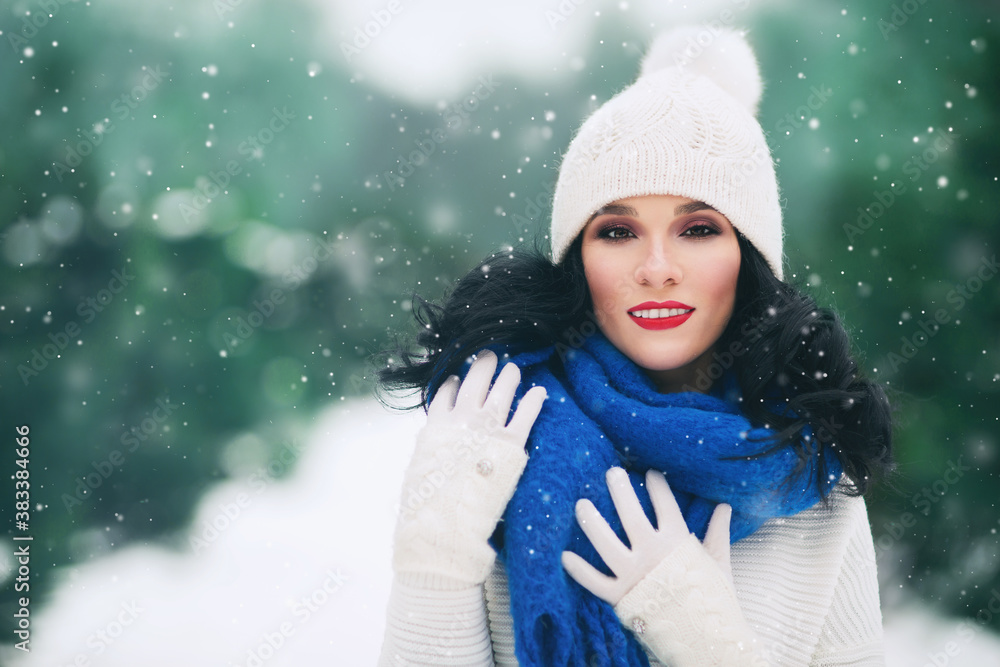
[723, 56]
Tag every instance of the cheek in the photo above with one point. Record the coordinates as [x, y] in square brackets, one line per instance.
[605, 288]
[596, 284]
[724, 280]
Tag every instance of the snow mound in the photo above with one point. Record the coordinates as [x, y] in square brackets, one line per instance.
[293, 572]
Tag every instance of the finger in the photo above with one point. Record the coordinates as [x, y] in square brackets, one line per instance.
[527, 410]
[444, 399]
[717, 536]
[502, 394]
[669, 519]
[588, 576]
[611, 550]
[630, 512]
[477, 381]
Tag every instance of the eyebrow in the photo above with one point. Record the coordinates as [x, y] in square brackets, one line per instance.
[693, 207]
[619, 209]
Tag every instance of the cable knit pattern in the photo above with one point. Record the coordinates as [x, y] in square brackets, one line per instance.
[462, 474]
[448, 507]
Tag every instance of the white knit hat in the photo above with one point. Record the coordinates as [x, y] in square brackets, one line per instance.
[687, 127]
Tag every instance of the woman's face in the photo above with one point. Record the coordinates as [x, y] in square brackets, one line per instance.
[662, 275]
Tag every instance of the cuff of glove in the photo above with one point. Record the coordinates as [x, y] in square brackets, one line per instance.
[685, 613]
[451, 503]
[443, 568]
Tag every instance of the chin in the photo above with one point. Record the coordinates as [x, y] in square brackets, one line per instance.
[666, 359]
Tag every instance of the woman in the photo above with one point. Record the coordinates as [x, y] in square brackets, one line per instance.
[690, 491]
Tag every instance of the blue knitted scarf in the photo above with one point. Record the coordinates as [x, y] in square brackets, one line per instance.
[603, 411]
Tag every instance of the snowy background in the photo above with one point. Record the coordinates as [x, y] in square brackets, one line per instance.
[201, 208]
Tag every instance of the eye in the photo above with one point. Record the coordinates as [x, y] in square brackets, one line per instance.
[700, 231]
[614, 233]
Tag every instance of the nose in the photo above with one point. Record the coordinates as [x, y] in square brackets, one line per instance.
[658, 267]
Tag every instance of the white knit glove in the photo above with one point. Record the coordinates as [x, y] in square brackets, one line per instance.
[463, 473]
[675, 593]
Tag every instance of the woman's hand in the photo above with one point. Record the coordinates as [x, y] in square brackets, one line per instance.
[463, 473]
[674, 592]
[650, 546]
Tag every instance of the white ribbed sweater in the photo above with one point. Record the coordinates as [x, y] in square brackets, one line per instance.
[806, 584]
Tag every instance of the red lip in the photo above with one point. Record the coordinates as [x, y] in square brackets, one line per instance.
[661, 322]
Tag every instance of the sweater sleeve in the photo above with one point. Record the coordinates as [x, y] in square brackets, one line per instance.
[433, 621]
[852, 631]
[500, 620]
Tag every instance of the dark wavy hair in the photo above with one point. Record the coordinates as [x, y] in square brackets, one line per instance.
[782, 347]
